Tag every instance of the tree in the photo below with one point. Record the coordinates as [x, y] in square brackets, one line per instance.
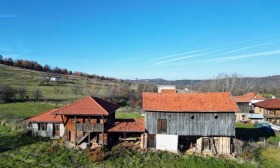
[47, 68]
[22, 92]
[7, 93]
[1, 59]
[234, 83]
[37, 94]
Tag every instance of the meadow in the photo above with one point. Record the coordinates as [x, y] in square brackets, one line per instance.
[20, 150]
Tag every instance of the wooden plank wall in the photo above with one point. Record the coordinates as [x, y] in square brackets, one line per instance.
[202, 124]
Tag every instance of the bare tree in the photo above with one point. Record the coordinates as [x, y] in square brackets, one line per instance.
[37, 94]
[22, 92]
[234, 83]
[7, 93]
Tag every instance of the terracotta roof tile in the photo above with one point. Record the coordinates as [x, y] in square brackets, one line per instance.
[90, 106]
[128, 125]
[168, 91]
[189, 102]
[269, 104]
[46, 117]
[248, 97]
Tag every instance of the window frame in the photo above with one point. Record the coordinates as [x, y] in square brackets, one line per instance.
[42, 126]
[161, 126]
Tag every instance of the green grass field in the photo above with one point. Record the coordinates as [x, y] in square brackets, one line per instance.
[128, 115]
[26, 109]
[20, 150]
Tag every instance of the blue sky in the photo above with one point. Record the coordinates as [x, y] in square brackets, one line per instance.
[127, 39]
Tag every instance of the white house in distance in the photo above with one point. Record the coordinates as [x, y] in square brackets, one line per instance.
[166, 89]
[46, 125]
[55, 78]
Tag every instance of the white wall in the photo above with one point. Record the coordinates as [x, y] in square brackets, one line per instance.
[48, 132]
[167, 142]
[61, 129]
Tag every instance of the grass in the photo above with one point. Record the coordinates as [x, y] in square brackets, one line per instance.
[270, 157]
[128, 115]
[19, 150]
[24, 109]
[122, 157]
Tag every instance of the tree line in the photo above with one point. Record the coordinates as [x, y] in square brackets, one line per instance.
[33, 65]
[11, 94]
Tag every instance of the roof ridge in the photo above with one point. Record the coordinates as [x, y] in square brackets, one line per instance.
[71, 104]
[92, 97]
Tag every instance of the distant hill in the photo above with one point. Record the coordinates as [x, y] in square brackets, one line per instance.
[258, 81]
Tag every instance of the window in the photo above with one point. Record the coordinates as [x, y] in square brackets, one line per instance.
[42, 126]
[161, 126]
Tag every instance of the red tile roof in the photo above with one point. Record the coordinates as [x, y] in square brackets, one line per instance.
[89, 106]
[128, 125]
[269, 104]
[168, 91]
[46, 117]
[247, 97]
[189, 102]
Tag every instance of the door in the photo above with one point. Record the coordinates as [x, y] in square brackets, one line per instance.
[56, 130]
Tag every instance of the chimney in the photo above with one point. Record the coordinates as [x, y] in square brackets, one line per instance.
[273, 97]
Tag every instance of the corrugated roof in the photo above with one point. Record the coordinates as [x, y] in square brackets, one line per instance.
[90, 106]
[255, 116]
[247, 97]
[269, 104]
[189, 102]
[128, 125]
[46, 117]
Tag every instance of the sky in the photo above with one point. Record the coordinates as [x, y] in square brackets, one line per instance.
[145, 39]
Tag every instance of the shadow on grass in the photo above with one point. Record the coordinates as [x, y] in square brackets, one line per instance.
[254, 134]
[10, 140]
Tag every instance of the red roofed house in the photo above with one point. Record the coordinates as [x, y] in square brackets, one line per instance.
[87, 120]
[92, 120]
[197, 122]
[245, 102]
[270, 109]
[46, 125]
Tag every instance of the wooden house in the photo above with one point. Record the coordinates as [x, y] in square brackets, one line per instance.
[199, 122]
[269, 109]
[87, 120]
[92, 120]
[46, 125]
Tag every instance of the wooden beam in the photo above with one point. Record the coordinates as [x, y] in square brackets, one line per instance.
[75, 121]
[103, 131]
[124, 136]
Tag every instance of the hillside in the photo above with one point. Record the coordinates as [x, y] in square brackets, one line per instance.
[70, 87]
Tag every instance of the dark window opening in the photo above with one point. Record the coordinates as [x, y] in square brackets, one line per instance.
[216, 117]
[151, 141]
[42, 126]
[161, 126]
[192, 117]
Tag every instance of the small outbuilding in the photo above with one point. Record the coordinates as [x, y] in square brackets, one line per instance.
[46, 125]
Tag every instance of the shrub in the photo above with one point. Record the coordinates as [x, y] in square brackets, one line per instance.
[98, 154]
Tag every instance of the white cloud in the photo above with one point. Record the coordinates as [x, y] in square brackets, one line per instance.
[237, 57]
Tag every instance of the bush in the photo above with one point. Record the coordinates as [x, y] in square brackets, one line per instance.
[98, 154]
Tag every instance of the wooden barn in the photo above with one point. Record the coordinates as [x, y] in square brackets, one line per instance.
[196, 122]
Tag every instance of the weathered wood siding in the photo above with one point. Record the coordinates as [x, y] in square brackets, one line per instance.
[203, 124]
